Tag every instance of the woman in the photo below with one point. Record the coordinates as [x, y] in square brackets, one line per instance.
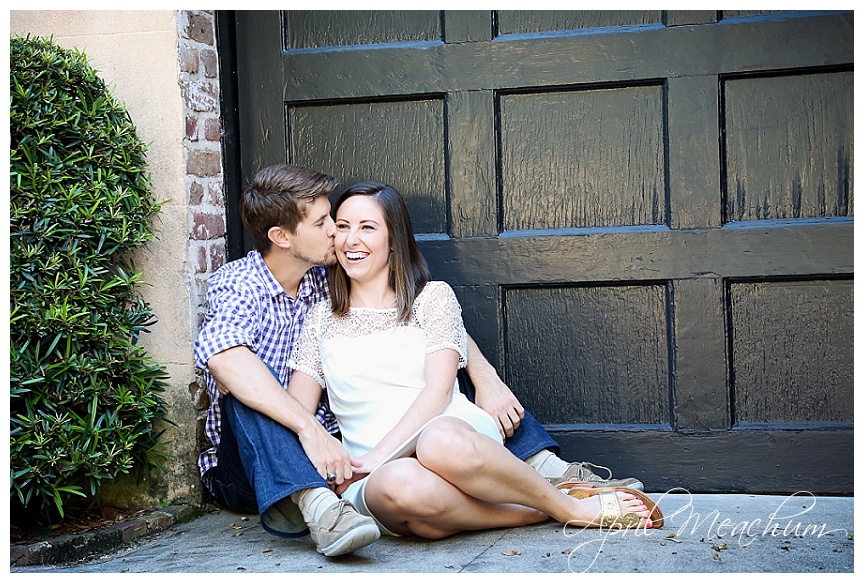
[387, 348]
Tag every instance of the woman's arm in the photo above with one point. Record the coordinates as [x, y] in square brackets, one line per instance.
[305, 390]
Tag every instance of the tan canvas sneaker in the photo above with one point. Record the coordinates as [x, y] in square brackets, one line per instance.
[342, 529]
[580, 472]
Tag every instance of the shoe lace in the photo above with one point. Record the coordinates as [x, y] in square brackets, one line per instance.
[584, 467]
[337, 514]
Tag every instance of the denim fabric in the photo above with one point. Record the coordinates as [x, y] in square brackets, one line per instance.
[272, 464]
[528, 439]
[230, 485]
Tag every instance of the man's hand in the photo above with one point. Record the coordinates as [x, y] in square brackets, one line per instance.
[491, 394]
[496, 398]
[326, 453]
[223, 390]
[361, 467]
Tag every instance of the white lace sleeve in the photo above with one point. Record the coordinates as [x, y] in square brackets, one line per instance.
[306, 356]
[440, 315]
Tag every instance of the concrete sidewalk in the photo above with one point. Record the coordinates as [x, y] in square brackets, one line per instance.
[704, 533]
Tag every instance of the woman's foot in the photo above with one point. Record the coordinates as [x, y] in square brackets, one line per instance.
[609, 508]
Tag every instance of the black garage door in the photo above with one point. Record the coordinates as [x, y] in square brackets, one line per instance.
[647, 216]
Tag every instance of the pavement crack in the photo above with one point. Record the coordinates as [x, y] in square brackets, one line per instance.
[494, 543]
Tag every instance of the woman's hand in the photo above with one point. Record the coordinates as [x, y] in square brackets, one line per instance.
[360, 468]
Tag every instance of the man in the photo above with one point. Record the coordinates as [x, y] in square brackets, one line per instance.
[268, 454]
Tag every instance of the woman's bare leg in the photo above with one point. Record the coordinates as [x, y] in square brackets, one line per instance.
[410, 499]
[484, 469]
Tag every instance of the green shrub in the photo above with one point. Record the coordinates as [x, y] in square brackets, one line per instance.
[85, 401]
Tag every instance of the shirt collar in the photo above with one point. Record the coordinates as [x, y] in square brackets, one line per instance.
[307, 286]
[272, 285]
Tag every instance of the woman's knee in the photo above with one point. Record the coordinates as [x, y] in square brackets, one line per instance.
[449, 444]
[402, 487]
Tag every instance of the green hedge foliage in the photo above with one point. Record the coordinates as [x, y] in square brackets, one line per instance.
[85, 401]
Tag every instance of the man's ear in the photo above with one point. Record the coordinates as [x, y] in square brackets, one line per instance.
[278, 237]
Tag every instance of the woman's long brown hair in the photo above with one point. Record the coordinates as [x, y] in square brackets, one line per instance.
[408, 270]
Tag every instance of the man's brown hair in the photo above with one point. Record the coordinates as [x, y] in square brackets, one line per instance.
[279, 196]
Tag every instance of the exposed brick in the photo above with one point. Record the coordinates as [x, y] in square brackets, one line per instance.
[196, 193]
[212, 129]
[159, 521]
[188, 60]
[207, 226]
[199, 80]
[201, 262]
[16, 554]
[217, 196]
[131, 529]
[201, 96]
[210, 62]
[192, 128]
[200, 28]
[217, 256]
[201, 286]
[204, 163]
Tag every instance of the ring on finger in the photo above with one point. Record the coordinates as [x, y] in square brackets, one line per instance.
[331, 477]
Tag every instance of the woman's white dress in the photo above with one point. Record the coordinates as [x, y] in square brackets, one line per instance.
[373, 368]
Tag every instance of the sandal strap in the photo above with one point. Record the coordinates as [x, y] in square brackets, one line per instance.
[570, 484]
[610, 513]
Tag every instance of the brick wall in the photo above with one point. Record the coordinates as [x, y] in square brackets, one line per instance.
[199, 80]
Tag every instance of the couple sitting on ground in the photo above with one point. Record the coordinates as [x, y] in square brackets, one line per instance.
[373, 434]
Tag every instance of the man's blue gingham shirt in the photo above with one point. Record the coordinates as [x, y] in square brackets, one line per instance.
[246, 306]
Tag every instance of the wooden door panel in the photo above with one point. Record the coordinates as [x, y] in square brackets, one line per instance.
[744, 250]
[792, 358]
[590, 355]
[789, 146]
[583, 158]
[534, 21]
[314, 29]
[648, 53]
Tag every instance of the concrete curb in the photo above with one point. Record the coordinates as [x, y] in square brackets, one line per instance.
[75, 547]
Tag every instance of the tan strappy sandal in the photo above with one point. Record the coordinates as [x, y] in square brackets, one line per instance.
[610, 514]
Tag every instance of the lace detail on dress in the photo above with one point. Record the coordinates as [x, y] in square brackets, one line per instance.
[436, 311]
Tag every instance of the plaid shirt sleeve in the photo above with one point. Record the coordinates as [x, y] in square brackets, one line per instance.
[232, 320]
